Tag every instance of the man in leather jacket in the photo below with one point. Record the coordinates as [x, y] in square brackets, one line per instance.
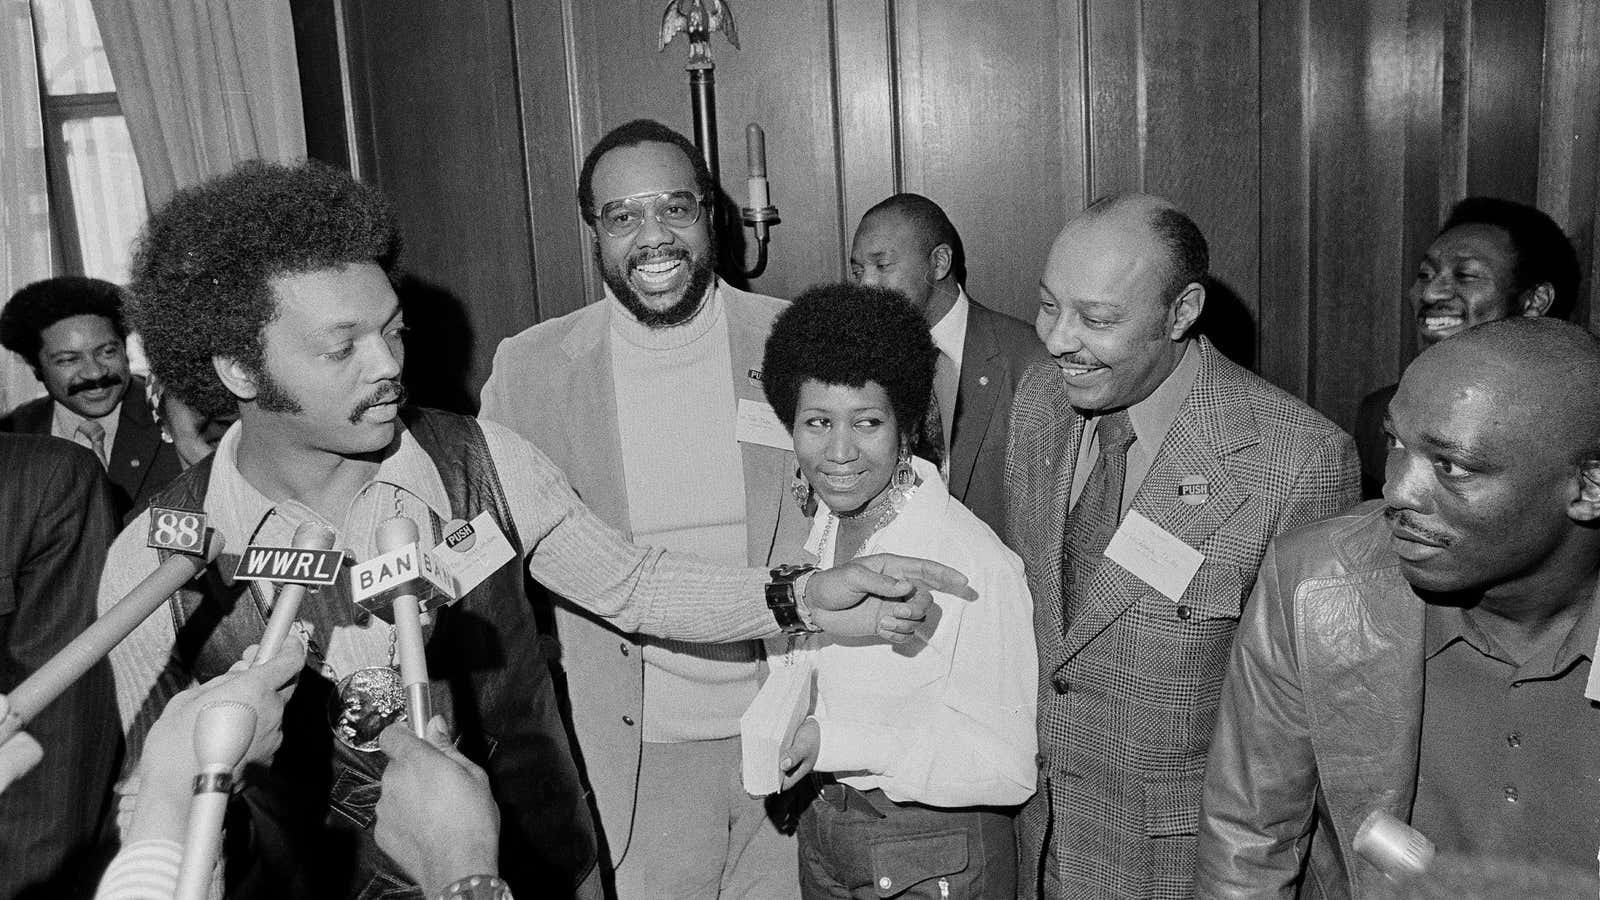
[1427, 655]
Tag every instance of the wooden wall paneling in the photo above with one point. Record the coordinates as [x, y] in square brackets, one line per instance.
[1569, 131]
[1113, 33]
[442, 97]
[1284, 284]
[783, 78]
[1507, 69]
[552, 110]
[867, 164]
[1072, 91]
[1426, 185]
[980, 113]
[1201, 139]
[1359, 115]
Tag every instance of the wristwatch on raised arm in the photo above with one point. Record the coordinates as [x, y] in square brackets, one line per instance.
[785, 590]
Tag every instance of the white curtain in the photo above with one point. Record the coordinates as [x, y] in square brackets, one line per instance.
[204, 84]
[24, 197]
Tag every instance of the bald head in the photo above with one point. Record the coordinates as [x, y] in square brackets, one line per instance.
[1173, 235]
[1545, 369]
[906, 243]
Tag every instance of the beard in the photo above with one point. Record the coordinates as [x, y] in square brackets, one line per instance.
[701, 272]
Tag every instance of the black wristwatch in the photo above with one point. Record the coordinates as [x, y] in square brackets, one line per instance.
[782, 601]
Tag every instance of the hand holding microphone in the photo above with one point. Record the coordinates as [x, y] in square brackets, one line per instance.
[286, 603]
[386, 585]
[167, 768]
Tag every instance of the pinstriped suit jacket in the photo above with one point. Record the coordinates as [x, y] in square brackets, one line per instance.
[1128, 689]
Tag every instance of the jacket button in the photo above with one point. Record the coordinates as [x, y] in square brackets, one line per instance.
[624, 649]
[1184, 613]
[1060, 682]
[627, 720]
[885, 883]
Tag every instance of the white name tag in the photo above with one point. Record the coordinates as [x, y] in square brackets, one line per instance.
[1154, 555]
[472, 551]
[758, 424]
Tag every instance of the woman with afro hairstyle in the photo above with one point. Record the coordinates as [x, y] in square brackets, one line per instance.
[922, 751]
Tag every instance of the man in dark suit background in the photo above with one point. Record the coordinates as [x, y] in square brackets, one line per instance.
[58, 518]
[71, 332]
[1145, 475]
[907, 243]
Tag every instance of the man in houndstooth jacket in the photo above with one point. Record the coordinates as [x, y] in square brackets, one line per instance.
[1221, 461]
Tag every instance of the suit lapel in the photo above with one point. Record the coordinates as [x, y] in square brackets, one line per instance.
[133, 454]
[1361, 646]
[1213, 422]
[981, 381]
[1060, 433]
[767, 470]
[594, 455]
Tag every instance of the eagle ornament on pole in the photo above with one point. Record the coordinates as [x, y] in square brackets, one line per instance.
[699, 19]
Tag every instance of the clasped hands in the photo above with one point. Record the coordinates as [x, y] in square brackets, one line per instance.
[884, 595]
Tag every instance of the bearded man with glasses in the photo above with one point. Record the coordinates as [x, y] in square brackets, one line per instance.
[650, 399]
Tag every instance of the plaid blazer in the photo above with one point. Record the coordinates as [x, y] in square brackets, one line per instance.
[1128, 689]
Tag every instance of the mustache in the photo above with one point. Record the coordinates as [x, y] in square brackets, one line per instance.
[650, 256]
[388, 392]
[94, 384]
[1402, 518]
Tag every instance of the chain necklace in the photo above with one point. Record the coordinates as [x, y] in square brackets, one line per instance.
[887, 505]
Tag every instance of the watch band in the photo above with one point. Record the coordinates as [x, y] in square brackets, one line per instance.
[476, 887]
[782, 600]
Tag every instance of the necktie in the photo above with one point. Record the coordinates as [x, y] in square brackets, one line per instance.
[1094, 519]
[941, 416]
[95, 435]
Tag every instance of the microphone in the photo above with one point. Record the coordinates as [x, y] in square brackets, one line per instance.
[91, 645]
[286, 603]
[1393, 847]
[395, 534]
[222, 733]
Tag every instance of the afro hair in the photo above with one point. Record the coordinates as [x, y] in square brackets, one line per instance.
[203, 267]
[850, 334]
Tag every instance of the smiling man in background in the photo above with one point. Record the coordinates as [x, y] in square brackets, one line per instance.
[71, 332]
[1492, 259]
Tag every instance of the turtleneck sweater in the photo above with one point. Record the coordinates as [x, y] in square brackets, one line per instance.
[684, 474]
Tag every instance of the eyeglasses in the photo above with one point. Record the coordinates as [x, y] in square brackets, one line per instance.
[674, 209]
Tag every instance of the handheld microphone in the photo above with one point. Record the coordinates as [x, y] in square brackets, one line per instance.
[80, 654]
[222, 733]
[286, 603]
[1393, 847]
[395, 534]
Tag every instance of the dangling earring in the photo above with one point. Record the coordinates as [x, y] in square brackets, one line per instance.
[904, 476]
[803, 494]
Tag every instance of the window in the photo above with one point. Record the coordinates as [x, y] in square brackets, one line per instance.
[96, 194]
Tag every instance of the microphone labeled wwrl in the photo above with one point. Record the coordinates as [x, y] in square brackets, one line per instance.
[311, 562]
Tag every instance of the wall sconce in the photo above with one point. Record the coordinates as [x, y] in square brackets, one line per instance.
[699, 19]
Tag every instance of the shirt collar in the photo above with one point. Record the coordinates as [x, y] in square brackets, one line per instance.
[65, 422]
[1153, 416]
[242, 509]
[950, 332]
[1444, 625]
